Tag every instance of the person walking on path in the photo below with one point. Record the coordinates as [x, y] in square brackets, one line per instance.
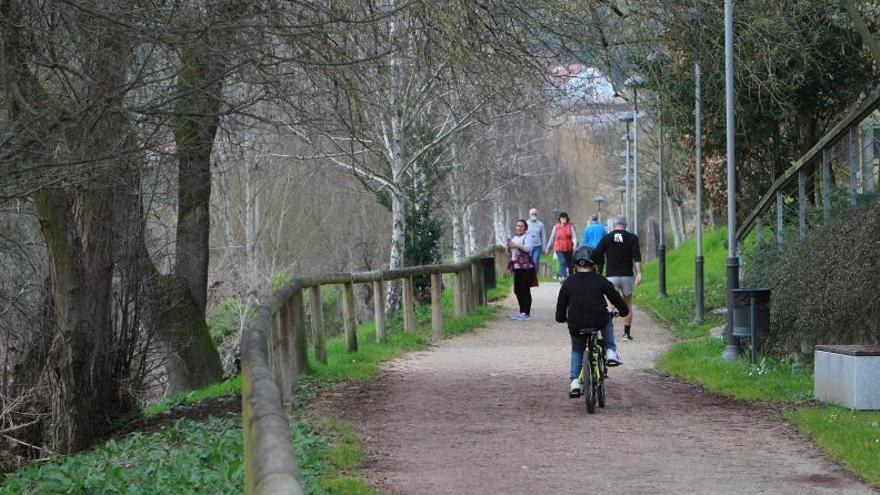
[620, 250]
[539, 236]
[564, 240]
[521, 247]
[593, 233]
[582, 304]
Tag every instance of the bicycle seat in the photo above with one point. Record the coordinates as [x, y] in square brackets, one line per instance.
[588, 331]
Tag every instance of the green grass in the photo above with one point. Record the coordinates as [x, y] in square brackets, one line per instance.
[677, 309]
[699, 361]
[852, 438]
[206, 457]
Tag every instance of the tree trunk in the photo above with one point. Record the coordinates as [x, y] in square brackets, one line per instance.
[471, 231]
[457, 249]
[200, 86]
[679, 215]
[398, 240]
[498, 225]
[673, 223]
[83, 388]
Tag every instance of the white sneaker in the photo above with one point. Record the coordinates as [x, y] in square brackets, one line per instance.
[575, 389]
[613, 358]
[525, 317]
[516, 316]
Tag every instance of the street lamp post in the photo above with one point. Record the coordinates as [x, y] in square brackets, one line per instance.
[627, 118]
[661, 252]
[622, 190]
[731, 349]
[696, 16]
[599, 199]
[635, 82]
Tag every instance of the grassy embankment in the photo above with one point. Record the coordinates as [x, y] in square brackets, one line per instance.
[194, 457]
[851, 438]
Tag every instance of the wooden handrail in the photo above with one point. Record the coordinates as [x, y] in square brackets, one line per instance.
[853, 117]
[273, 353]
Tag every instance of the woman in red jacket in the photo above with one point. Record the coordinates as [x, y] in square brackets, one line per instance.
[564, 240]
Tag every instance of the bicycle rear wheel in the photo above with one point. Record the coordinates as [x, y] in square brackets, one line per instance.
[603, 372]
[589, 385]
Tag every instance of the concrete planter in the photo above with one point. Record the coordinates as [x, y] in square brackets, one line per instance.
[848, 375]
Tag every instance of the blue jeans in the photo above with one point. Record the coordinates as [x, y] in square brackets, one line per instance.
[536, 255]
[564, 258]
[579, 345]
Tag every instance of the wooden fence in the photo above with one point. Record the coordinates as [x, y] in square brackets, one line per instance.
[840, 167]
[274, 352]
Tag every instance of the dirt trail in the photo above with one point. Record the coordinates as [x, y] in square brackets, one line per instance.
[488, 413]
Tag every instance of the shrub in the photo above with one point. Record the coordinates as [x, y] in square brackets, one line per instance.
[824, 286]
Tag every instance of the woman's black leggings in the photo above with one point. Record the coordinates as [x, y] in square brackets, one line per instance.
[522, 287]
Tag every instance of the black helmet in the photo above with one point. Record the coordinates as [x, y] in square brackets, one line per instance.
[583, 256]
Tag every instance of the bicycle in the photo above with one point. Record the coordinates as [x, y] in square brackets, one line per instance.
[593, 385]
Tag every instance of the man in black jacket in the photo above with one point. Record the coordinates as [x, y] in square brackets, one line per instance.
[582, 304]
[620, 250]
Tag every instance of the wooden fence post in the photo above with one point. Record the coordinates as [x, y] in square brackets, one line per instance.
[379, 309]
[298, 340]
[281, 354]
[802, 204]
[457, 293]
[409, 313]
[481, 283]
[826, 184]
[500, 263]
[780, 210]
[853, 164]
[867, 147]
[475, 284]
[348, 317]
[319, 339]
[759, 226]
[436, 307]
[466, 290]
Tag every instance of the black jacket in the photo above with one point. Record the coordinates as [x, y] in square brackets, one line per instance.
[582, 303]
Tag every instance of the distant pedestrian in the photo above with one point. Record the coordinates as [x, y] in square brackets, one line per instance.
[621, 251]
[539, 236]
[521, 246]
[563, 240]
[593, 233]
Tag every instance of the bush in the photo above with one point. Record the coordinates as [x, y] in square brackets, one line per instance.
[824, 286]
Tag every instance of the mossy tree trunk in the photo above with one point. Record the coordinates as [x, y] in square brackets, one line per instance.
[193, 360]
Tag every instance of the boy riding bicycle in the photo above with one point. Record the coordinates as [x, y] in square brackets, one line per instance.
[583, 305]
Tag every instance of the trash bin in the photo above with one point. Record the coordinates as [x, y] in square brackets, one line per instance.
[741, 305]
[488, 265]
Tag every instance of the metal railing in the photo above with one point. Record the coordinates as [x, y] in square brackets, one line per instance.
[840, 167]
[274, 351]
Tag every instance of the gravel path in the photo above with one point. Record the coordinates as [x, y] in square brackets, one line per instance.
[488, 413]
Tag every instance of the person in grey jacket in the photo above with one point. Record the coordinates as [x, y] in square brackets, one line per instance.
[539, 236]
